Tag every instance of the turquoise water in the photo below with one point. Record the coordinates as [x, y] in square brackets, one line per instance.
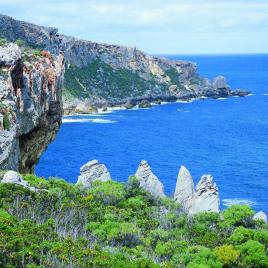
[227, 138]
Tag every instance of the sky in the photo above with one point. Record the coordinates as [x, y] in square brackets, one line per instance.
[155, 26]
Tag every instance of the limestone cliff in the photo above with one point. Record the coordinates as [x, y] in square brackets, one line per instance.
[30, 104]
[106, 75]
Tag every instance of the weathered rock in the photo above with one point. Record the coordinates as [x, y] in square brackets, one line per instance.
[260, 216]
[31, 95]
[240, 93]
[184, 188]
[148, 180]
[85, 108]
[145, 104]
[219, 82]
[91, 172]
[15, 178]
[206, 197]
[129, 105]
[9, 54]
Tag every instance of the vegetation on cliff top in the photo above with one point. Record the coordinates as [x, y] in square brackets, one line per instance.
[120, 225]
[101, 79]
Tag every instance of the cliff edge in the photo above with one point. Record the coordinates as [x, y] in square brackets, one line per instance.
[30, 104]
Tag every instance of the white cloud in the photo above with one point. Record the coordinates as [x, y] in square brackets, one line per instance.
[153, 25]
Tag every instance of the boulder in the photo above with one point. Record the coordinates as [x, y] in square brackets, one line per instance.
[260, 216]
[145, 104]
[240, 93]
[15, 178]
[91, 172]
[85, 108]
[148, 180]
[129, 105]
[184, 188]
[206, 197]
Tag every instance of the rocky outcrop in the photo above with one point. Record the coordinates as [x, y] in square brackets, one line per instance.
[91, 172]
[260, 216]
[204, 198]
[14, 177]
[148, 180]
[184, 189]
[30, 104]
[108, 75]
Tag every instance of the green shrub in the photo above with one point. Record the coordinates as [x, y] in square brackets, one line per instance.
[20, 42]
[227, 255]
[3, 41]
[6, 122]
[37, 52]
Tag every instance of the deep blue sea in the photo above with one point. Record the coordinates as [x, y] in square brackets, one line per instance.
[227, 138]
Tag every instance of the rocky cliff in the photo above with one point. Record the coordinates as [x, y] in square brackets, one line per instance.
[105, 75]
[30, 104]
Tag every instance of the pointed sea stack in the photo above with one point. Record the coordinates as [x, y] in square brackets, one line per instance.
[205, 198]
[148, 180]
[184, 188]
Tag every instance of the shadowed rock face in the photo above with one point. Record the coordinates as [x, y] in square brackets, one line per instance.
[148, 180]
[30, 101]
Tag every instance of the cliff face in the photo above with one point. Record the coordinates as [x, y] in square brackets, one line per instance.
[30, 104]
[101, 74]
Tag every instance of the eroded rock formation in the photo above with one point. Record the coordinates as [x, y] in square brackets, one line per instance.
[30, 105]
[260, 216]
[148, 180]
[204, 198]
[184, 188]
[91, 172]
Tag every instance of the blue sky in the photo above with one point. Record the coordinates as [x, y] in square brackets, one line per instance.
[155, 26]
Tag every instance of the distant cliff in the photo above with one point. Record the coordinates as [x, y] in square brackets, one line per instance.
[106, 75]
[30, 104]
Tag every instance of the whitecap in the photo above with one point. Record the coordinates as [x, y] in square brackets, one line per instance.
[83, 115]
[103, 121]
[237, 201]
[184, 111]
[265, 94]
[182, 101]
[222, 99]
[75, 120]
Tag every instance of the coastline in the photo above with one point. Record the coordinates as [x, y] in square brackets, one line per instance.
[109, 109]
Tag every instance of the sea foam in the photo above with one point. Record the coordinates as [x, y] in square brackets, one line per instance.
[237, 201]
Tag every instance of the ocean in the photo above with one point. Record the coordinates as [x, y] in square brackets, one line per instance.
[227, 138]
